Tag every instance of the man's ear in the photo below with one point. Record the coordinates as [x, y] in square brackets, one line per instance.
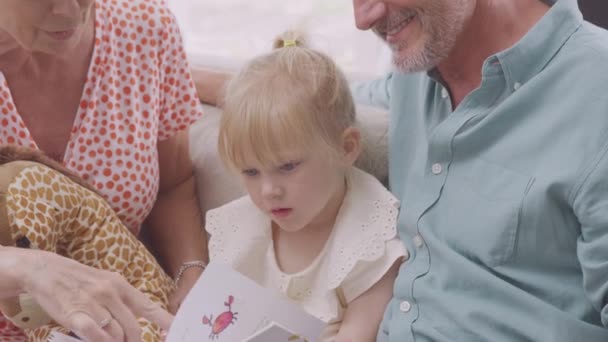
[351, 145]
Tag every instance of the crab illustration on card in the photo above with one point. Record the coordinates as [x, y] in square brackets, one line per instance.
[222, 321]
[226, 306]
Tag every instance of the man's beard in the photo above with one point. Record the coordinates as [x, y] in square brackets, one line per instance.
[438, 36]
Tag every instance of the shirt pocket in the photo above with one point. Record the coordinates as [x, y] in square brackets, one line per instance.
[479, 210]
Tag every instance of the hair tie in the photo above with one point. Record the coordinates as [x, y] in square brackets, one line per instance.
[289, 43]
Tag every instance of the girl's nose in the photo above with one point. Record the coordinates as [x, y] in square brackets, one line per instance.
[271, 190]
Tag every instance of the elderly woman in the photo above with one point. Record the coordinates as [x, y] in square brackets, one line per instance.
[103, 86]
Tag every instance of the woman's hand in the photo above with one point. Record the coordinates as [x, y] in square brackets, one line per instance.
[184, 285]
[96, 305]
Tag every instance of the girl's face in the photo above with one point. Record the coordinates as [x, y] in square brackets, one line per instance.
[305, 190]
[47, 26]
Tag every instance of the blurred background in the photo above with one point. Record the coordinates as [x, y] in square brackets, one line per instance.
[596, 11]
[224, 33]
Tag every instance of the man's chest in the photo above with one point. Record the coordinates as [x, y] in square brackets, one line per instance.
[491, 180]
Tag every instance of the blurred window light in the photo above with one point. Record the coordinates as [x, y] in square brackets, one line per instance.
[223, 34]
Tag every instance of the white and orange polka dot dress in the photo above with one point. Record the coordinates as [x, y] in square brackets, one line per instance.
[138, 91]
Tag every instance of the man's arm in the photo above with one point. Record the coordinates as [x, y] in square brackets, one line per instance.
[590, 204]
[210, 85]
[373, 93]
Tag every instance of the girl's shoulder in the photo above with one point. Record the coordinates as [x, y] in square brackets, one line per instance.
[365, 242]
[366, 188]
[237, 230]
[362, 247]
[367, 204]
[237, 214]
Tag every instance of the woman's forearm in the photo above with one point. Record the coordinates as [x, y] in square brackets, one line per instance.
[175, 228]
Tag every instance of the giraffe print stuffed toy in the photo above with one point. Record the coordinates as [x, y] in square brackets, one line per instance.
[45, 206]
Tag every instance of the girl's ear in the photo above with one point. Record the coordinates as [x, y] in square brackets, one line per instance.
[351, 145]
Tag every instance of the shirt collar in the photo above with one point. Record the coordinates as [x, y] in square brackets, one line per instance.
[533, 52]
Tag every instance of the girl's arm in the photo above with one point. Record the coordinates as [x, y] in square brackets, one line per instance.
[364, 314]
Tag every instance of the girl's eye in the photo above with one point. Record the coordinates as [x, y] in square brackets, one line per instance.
[250, 172]
[289, 166]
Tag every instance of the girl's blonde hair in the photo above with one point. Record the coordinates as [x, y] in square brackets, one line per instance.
[292, 98]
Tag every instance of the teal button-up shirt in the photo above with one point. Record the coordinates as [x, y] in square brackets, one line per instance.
[505, 198]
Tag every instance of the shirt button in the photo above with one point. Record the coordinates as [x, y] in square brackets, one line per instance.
[418, 242]
[517, 85]
[436, 168]
[444, 93]
[405, 306]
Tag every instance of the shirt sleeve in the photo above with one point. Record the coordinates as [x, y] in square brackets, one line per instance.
[373, 93]
[590, 205]
[368, 273]
[179, 104]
